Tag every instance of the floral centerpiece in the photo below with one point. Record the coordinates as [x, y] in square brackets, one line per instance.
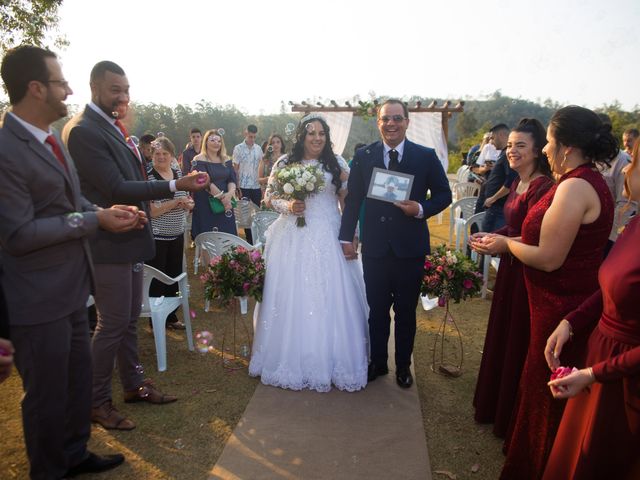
[296, 181]
[450, 275]
[236, 273]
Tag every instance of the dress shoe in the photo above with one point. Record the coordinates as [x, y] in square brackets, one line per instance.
[374, 371]
[177, 325]
[404, 377]
[110, 418]
[95, 464]
[148, 393]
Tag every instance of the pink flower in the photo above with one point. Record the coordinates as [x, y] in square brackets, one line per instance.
[442, 301]
[439, 268]
[245, 286]
[562, 372]
[467, 284]
[428, 265]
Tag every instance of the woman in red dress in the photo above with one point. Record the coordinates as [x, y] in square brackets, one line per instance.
[599, 435]
[505, 346]
[562, 246]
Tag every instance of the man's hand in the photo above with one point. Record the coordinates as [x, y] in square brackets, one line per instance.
[6, 359]
[410, 208]
[348, 251]
[193, 182]
[121, 218]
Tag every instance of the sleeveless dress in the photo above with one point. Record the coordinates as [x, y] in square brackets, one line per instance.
[599, 435]
[552, 295]
[311, 327]
[507, 339]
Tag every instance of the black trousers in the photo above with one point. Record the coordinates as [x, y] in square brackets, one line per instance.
[392, 281]
[168, 260]
[54, 361]
[255, 195]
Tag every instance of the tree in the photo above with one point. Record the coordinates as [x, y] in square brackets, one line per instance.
[29, 22]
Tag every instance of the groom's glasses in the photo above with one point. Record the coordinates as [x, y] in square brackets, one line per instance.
[395, 118]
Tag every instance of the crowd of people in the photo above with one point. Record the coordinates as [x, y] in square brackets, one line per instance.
[80, 213]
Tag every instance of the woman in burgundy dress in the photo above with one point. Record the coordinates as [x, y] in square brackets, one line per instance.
[505, 346]
[599, 435]
[562, 246]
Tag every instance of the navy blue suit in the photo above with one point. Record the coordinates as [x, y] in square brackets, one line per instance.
[393, 244]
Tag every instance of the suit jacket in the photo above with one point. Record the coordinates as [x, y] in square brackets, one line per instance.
[385, 225]
[46, 262]
[110, 174]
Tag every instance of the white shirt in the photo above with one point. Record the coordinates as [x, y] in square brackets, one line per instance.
[40, 135]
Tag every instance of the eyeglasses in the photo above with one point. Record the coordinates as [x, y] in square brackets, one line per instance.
[62, 83]
[213, 139]
[395, 118]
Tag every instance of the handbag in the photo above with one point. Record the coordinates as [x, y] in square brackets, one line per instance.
[217, 206]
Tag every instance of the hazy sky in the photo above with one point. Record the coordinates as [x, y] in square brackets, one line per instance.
[253, 54]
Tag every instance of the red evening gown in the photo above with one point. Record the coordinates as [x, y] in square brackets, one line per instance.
[552, 295]
[505, 346]
[599, 435]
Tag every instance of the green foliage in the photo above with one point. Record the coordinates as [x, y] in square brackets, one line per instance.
[28, 22]
[450, 275]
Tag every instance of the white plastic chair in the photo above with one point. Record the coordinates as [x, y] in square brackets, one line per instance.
[159, 308]
[465, 189]
[459, 212]
[261, 221]
[463, 173]
[244, 212]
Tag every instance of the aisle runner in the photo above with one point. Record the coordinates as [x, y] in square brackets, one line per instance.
[373, 434]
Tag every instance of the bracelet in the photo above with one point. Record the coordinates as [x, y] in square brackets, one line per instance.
[570, 328]
[219, 195]
[590, 370]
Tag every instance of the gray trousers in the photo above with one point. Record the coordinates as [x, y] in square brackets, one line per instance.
[118, 301]
[54, 361]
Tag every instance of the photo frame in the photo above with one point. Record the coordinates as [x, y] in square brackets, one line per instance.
[389, 186]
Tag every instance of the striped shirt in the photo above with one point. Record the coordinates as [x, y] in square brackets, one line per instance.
[169, 225]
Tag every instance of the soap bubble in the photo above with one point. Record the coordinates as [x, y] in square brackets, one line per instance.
[221, 132]
[137, 267]
[75, 219]
[310, 127]
[203, 341]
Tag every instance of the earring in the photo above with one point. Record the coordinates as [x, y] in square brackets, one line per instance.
[564, 160]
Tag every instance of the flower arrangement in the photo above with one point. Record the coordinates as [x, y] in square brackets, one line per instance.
[236, 273]
[450, 275]
[297, 182]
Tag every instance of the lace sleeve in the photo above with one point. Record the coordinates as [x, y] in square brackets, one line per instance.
[270, 195]
[344, 166]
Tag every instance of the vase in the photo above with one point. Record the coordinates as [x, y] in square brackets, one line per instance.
[442, 365]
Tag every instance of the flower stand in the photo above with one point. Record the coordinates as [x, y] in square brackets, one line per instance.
[234, 356]
[439, 363]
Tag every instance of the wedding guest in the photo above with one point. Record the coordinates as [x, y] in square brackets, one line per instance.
[213, 159]
[599, 435]
[317, 337]
[562, 243]
[146, 149]
[110, 169]
[168, 220]
[395, 235]
[507, 338]
[191, 150]
[629, 139]
[246, 160]
[275, 148]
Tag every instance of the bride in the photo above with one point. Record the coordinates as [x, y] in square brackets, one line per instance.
[311, 327]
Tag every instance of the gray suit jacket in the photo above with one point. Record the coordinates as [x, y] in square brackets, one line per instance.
[47, 263]
[110, 174]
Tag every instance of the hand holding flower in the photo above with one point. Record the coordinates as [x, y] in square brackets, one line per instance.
[555, 342]
[492, 244]
[569, 385]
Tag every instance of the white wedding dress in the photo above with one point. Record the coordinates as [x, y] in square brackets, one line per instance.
[311, 327]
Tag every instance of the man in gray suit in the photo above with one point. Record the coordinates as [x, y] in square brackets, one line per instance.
[47, 268]
[110, 170]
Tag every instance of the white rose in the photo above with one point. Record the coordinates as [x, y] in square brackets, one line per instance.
[310, 187]
[288, 188]
[301, 181]
[306, 175]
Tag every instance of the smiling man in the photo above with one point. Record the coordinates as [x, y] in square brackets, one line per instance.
[395, 235]
[111, 170]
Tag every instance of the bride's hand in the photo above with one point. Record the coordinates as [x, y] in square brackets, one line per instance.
[297, 207]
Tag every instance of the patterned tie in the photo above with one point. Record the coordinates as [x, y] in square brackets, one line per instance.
[57, 151]
[393, 160]
[132, 146]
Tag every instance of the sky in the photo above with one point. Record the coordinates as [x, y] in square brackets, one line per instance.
[254, 54]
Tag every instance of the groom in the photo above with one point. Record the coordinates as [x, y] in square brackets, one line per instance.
[395, 237]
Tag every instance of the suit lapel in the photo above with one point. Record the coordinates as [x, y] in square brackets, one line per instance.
[111, 130]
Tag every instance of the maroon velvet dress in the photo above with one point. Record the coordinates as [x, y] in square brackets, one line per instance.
[599, 435]
[507, 340]
[552, 295]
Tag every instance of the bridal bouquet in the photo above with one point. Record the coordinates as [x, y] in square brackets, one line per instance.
[450, 275]
[297, 182]
[236, 273]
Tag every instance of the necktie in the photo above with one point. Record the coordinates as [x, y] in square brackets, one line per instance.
[393, 160]
[51, 140]
[132, 146]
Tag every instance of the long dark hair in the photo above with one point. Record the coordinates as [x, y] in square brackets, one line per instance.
[269, 153]
[327, 157]
[579, 127]
[539, 135]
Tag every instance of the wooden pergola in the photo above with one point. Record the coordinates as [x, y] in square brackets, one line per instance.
[446, 110]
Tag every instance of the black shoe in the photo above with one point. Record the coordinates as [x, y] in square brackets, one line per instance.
[374, 371]
[95, 463]
[403, 377]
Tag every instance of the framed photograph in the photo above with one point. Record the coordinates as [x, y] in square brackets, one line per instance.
[389, 186]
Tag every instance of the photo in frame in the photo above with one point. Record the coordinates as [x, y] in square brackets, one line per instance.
[389, 186]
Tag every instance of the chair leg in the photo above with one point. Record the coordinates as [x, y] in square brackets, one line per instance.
[196, 259]
[485, 274]
[186, 315]
[160, 337]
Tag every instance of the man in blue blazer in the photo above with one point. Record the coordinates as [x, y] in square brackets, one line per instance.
[395, 236]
